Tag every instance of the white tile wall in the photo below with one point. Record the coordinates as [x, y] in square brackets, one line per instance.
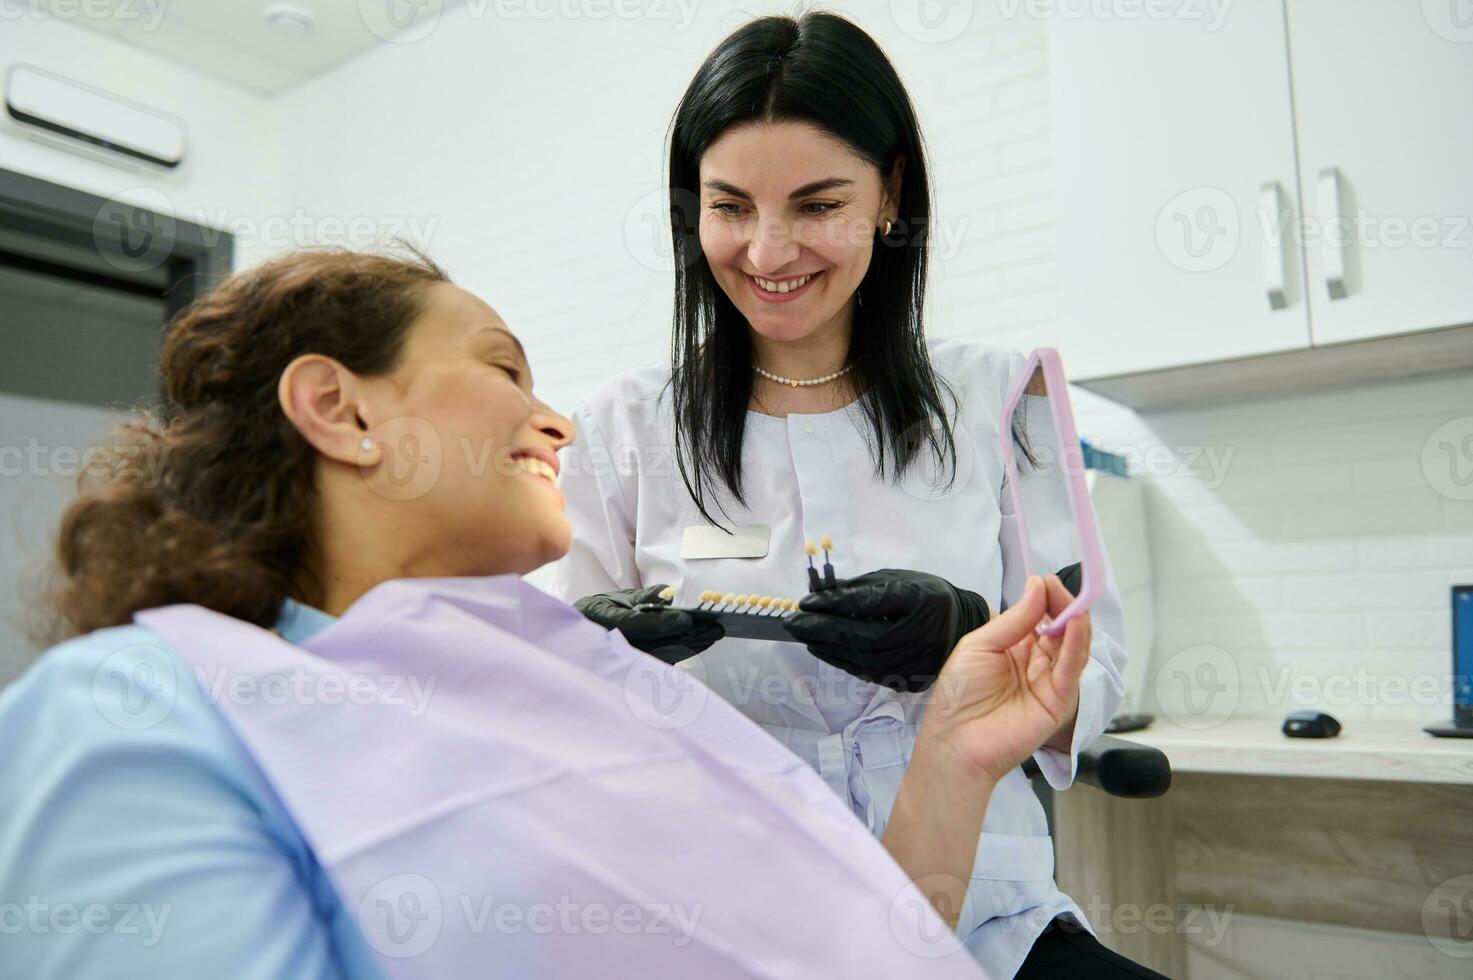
[1318, 556]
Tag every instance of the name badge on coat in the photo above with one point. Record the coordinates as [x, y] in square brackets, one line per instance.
[706, 541]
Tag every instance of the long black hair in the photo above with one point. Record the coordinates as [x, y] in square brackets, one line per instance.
[824, 70]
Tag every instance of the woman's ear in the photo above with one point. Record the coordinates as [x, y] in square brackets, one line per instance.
[892, 182]
[321, 399]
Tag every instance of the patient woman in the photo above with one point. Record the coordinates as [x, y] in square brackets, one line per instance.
[307, 720]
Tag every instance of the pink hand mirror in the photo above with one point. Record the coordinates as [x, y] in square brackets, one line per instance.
[1044, 467]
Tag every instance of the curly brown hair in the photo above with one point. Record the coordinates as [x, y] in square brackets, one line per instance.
[209, 500]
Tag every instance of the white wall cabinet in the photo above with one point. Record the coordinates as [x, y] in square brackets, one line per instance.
[1383, 97]
[1164, 133]
[1299, 174]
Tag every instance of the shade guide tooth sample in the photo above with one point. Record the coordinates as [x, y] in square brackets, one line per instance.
[753, 615]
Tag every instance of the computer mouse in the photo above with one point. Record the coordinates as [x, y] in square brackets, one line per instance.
[1311, 724]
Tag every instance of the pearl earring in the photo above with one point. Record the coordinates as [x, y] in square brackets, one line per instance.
[366, 445]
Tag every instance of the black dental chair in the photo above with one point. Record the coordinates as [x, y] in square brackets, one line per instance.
[1119, 767]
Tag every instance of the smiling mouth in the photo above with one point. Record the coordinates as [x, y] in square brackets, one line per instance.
[539, 468]
[779, 289]
[779, 286]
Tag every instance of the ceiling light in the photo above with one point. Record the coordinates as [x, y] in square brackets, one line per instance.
[290, 19]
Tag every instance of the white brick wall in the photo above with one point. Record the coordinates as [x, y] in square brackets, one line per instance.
[1325, 550]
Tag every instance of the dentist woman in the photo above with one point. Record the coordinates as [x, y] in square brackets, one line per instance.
[802, 402]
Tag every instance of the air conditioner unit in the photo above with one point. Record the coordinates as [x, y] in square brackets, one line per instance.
[80, 116]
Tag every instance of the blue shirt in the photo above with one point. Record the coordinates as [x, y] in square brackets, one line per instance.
[138, 838]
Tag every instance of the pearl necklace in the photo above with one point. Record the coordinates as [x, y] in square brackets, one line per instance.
[794, 382]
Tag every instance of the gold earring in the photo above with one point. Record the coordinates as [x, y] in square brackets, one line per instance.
[887, 227]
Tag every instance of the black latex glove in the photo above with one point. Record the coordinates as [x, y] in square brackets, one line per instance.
[893, 627]
[1072, 576]
[668, 634]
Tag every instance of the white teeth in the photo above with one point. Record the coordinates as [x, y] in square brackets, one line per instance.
[537, 467]
[782, 287]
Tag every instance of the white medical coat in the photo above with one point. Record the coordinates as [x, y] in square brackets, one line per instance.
[811, 475]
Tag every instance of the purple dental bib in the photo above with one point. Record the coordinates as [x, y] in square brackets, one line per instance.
[499, 788]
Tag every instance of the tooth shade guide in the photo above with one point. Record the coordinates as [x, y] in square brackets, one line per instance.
[743, 615]
[751, 615]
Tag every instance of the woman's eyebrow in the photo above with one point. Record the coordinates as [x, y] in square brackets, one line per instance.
[513, 338]
[819, 186]
[815, 187]
[725, 188]
[505, 334]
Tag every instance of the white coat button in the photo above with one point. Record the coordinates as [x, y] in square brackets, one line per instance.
[808, 427]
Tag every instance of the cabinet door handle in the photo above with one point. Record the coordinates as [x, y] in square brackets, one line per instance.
[1275, 272]
[1336, 234]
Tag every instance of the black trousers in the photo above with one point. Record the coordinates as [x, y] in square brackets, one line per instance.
[1066, 951]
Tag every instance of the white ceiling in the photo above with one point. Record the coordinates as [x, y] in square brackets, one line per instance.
[231, 39]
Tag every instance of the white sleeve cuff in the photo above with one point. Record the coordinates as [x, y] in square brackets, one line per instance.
[1099, 696]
